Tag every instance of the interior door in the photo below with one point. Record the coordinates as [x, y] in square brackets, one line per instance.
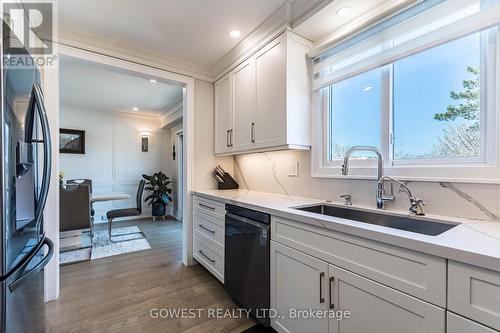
[376, 308]
[223, 115]
[298, 281]
[244, 105]
[270, 112]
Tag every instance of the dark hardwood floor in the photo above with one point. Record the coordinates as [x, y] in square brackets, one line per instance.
[117, 294]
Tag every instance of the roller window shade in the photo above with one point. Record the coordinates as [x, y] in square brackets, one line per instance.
[422, 26]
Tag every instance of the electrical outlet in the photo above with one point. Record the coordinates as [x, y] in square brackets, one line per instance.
[293, 170]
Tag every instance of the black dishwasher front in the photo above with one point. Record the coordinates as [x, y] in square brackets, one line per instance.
[246, 260]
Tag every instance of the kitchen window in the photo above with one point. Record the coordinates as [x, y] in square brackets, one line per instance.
[436, 104]
[349, 101]
[421, 87]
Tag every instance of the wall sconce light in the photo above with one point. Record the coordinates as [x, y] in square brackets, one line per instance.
[145, 140]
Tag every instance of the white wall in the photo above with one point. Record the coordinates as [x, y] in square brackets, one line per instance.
[204, 159]
[268, 172]
[113, 158]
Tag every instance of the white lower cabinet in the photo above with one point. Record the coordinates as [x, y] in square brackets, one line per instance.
[458, 324]
[474, 292]
[376, 308]
[300, 282]
[208, 235]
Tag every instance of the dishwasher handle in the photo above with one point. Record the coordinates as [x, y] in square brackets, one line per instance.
[241, 219]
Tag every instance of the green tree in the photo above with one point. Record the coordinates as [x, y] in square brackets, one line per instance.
[467, 106]
[461, 140]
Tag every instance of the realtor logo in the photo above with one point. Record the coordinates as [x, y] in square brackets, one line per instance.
[28, 26]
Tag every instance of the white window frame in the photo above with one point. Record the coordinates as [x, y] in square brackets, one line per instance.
[485, 169]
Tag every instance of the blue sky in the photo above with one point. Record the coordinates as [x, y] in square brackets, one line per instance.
[422, 86]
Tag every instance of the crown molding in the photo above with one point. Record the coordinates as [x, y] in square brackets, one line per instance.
[271, 26]
[174, 106]
[131, 53]
[303, 10]
[287, 16]
[108, 113]
[172, 115]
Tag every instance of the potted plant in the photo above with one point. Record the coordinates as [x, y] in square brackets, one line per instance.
[158, 187]
[61, 177]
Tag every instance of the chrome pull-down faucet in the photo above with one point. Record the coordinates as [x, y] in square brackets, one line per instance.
[416, 204]
[381, 196]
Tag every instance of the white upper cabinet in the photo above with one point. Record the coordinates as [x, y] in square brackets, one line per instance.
[270, 112]
[269, 100]
[224, 115]
[244, 105]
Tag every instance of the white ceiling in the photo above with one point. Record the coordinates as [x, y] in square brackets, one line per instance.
[89, 86]
[191, 30]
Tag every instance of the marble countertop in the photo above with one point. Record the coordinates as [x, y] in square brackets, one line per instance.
[472, 241]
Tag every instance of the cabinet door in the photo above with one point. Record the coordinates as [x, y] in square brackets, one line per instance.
[223, 115]
[244, 105]
[474, 293]
[458, 324]
[298, 281]
[376, 308]
[270, 113]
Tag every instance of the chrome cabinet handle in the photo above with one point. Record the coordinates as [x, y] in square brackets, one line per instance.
[321, 276]
[227, 138]
[253, 132]
[203, 227]
[203, 254]
[231, 137]
[206, 207]
[332, 306]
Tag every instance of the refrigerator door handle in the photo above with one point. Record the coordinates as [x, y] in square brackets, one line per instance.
[37, 102]
[21, 265]
[24, 277]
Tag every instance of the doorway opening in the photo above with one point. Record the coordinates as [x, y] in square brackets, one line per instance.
[53, 90]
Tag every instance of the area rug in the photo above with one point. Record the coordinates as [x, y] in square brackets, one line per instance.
[125, 240]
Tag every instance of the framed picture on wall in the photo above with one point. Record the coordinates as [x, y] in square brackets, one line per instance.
[71, 141]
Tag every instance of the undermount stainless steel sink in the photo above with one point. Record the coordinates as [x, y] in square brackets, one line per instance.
[419, 226]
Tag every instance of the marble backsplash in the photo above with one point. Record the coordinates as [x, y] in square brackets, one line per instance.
[268, 172]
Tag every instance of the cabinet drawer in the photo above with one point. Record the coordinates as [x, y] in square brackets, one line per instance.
[210, 207]
[474, 293]
[375, 308]
[417, 274]
[207, 228]
[210, 257]
[458, 324]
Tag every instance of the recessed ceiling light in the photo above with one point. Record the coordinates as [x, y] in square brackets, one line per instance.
[135, 108]
[153, 81]
[343, 11]
[368, 88]
[234, 33]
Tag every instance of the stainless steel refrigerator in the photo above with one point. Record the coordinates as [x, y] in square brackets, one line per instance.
[25, 177]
